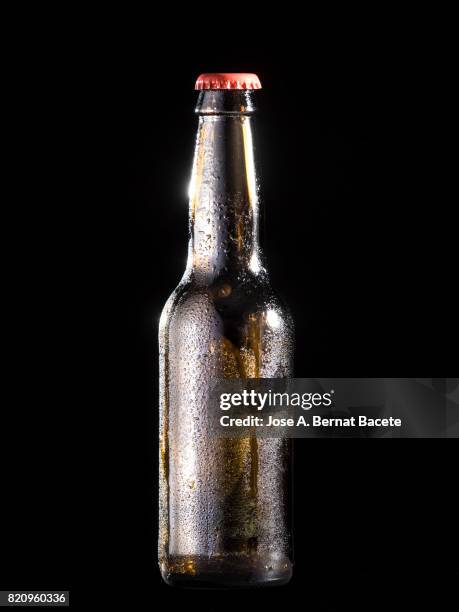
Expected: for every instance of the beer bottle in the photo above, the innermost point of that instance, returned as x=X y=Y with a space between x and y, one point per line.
x=224 y=507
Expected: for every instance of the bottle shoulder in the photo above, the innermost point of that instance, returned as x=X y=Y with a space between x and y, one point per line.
x=227 y=298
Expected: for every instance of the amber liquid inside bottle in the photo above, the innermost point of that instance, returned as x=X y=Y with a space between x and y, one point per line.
x=224 y=516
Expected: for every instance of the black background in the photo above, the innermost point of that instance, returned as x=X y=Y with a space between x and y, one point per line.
x=351 y=138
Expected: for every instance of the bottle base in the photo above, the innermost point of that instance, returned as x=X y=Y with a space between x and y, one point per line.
x=227 y=573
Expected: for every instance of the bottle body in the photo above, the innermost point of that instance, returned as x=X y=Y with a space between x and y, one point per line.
x=224 y=515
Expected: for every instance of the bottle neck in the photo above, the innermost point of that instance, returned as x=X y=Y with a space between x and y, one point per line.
x=224 y=215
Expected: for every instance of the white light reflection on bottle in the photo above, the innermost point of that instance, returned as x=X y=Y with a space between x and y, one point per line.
x=273 y=319
x=255 y=263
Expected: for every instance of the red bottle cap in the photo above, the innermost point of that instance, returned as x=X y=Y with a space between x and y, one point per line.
x=228 y=80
